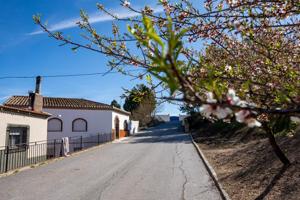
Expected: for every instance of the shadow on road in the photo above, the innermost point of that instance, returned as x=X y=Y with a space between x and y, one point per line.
x=165 y=133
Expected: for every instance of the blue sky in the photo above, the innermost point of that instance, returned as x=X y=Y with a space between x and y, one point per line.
x=26 y=52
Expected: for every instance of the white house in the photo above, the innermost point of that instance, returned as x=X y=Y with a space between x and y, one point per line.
x=73 y=116
x=19 y=126
x=78 y=117
x=23 y=135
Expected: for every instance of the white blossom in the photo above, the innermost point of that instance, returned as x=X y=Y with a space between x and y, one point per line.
x=270 y=84
x=210 y=98
x=206 y=110
x=126 y=3
x=202 y=70
x=219 y=112
x=207 y=4
x=251 y=122
x=231 y=93
x=222 y=113
x=232 y=98
x=235 y=100
x=258 y=70
x=295 y=119
x=243 y=104
x=133 y=30
x=243 y=116
x=228 y=68
x=236 y=24
x=232 y=2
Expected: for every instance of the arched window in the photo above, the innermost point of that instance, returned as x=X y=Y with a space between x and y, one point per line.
x=55 y=125
x=79 y=125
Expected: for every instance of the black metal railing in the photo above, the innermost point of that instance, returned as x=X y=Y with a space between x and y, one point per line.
x=13 y=157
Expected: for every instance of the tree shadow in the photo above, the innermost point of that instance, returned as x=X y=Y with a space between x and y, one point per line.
x=161 y=137
x=244 y=157
x=272 y=183
x=165 y=133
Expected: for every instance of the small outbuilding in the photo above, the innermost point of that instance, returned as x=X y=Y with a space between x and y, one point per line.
x=20 y=126
x=23 y=135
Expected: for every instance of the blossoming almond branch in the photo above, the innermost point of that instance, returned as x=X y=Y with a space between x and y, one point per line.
x=232 y=58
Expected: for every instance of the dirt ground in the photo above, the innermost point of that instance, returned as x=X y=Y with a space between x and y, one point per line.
x=246 y=165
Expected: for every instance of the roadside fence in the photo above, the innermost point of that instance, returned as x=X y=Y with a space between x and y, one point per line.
x=21 y=155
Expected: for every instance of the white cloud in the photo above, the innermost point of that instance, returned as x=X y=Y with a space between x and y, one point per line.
x=93 y=19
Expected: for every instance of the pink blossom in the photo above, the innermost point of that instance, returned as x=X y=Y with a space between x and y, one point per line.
x=235 y=100
x=219 y=112
x=243 y=116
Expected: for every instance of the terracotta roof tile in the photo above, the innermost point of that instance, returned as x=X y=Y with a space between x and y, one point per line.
x=62 y=103
x=24 y=111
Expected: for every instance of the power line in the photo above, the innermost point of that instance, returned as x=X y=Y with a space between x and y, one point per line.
x=62 y=75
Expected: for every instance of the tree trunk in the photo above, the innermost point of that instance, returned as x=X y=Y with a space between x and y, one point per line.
x=279 y=153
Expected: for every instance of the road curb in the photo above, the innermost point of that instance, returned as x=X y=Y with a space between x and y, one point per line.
x=211 y=171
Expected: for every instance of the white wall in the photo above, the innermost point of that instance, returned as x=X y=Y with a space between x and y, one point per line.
x=99 y=121
x=37 y=126
x=122 y=118
x=134 y=127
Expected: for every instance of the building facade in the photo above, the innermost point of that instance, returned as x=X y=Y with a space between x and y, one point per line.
x=23 y=135
x=73 y=117
x=18 y=126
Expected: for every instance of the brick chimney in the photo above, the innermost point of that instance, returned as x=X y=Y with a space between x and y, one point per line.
x=36 y=99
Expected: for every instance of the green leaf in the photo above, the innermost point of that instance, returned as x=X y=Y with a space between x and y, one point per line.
x=156 y=38
x=74 y=48
x=151 y=31
x=149 y=78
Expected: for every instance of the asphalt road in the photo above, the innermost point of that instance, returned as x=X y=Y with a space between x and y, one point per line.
x=160 y=164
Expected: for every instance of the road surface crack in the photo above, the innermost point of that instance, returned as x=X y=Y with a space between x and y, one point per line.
x=183 y=173
x=108 y=183
x=120 y=173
